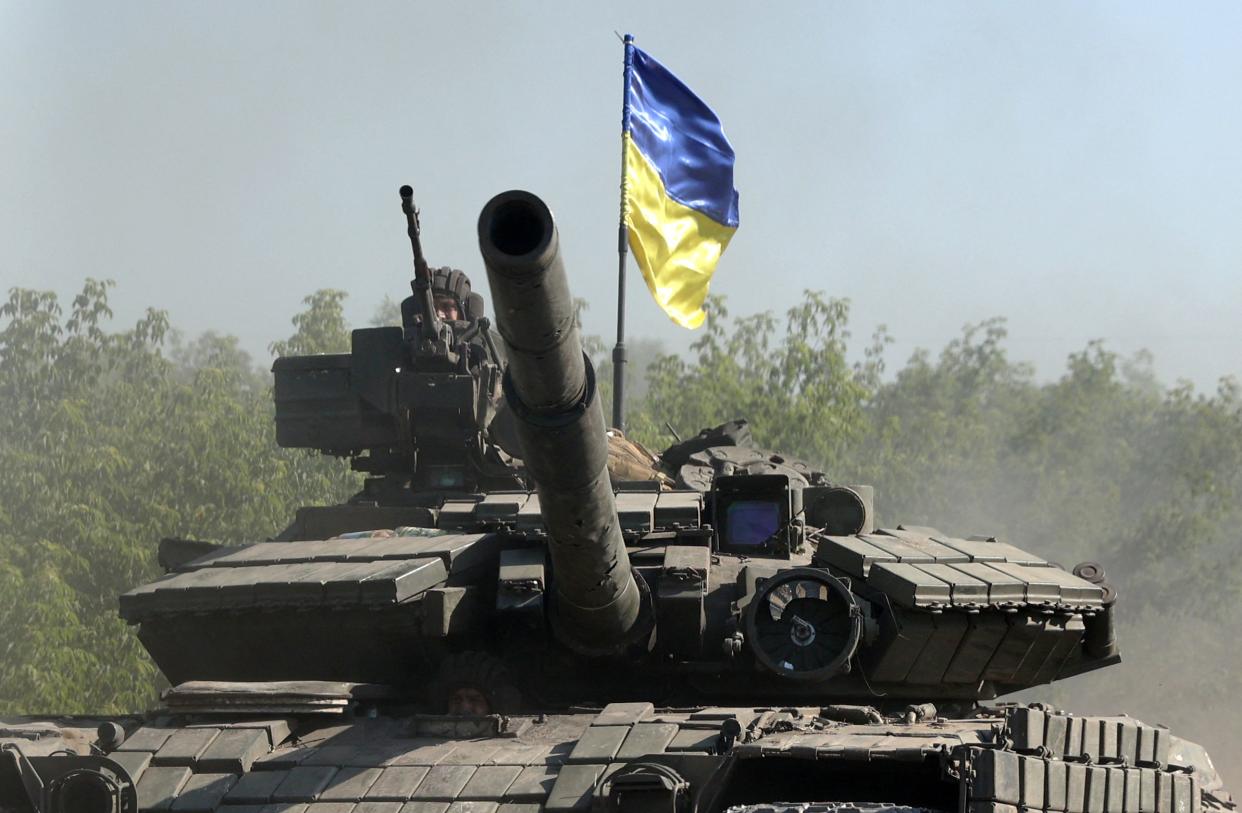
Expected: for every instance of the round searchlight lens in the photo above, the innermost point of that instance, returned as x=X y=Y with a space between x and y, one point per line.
x=84 y=791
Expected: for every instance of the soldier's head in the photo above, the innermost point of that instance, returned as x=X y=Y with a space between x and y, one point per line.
x=468 y=701
x=474 y=684
x=450 y=289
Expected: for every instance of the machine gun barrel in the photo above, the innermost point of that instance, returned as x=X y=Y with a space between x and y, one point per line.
x=599 y=606
x=421 y=284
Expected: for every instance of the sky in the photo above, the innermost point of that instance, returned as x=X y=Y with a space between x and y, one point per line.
x=1072 y=166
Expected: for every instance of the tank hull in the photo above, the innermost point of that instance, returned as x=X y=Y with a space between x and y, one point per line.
x=709 y=758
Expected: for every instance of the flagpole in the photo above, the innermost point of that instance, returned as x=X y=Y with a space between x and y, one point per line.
x=618 y=352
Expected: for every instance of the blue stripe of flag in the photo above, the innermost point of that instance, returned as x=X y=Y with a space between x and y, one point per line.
x=682 y=137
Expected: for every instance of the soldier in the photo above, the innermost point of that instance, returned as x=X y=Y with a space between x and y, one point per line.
x=458 y=307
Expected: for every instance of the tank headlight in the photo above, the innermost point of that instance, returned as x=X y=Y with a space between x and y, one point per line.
x=837 y=510
x=804 y=624
x=84 y=791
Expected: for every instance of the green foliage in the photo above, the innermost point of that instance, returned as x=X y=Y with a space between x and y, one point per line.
x=792 y=381
x=107 y=445
x=640 y=353
x=387 y=313
x=320 y=328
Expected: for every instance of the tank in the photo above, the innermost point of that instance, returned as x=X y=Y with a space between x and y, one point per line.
x=500 y=622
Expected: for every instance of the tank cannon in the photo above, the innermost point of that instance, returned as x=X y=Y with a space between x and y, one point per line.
x=550 y=387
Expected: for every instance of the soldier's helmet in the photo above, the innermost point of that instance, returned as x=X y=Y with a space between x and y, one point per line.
x=454 y=283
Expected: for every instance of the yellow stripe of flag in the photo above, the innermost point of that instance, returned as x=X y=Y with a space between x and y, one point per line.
x=676 y=247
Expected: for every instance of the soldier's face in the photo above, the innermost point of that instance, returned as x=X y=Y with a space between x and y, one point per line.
x=467 y=701
x=446 y=308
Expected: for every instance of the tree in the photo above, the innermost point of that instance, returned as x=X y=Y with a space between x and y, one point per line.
x=793 y=382
x=107 y=445
x=387 y=313
x=320 y=328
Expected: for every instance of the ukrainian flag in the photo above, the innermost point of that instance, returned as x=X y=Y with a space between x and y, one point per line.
x=680 y=204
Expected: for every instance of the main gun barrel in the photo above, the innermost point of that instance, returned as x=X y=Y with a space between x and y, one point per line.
x=550 y=386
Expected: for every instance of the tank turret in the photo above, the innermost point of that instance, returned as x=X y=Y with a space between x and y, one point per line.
x=550 y=387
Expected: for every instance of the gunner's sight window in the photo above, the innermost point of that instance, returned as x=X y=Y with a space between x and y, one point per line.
x=752 y=522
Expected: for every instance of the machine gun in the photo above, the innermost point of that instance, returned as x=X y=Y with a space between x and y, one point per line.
x=412 y=405
x=432 y=338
